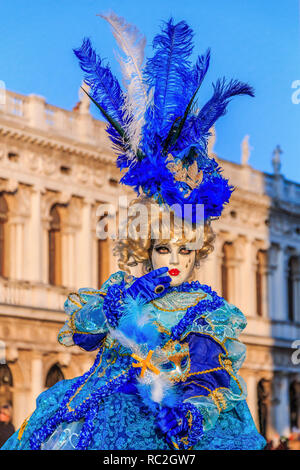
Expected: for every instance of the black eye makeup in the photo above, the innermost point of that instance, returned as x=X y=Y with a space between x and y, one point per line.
x=184 y=251
x=132 y=264
x=162 y=249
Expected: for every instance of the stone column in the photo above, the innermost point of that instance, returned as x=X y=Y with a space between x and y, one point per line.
x=16 y=247
x=45 y=249
x=281 y=285
x=239 y=289
x=213 y=266
x=85 y=246
x=71 y=223
x=248 y=298
x=264 y=273
x=271 y=281
x=16 y=229
x=282 y=408
x=296 y=290
x=37 y=385
x=231 y=266
x=34 y=251
x=68 y=254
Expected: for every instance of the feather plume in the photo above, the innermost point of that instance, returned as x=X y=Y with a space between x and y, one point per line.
x=168 y=72
x=104 y=88
x=172 y=124
x=160 y=391
x=197 y=75
x=132 y=43
x=136 y=323
x=217 y=105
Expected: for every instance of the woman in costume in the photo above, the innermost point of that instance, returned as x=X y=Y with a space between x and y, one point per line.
x=166 y=371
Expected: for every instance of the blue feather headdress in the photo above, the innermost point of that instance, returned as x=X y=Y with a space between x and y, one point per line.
x=159 y=135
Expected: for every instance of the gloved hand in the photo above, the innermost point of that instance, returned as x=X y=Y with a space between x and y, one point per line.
x=145 y=285
x=182 y=426
x=173 y=423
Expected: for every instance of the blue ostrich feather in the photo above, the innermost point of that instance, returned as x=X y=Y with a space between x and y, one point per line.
x=195 y=78
x=216 y=106
x=168 y=72
x=200 y=68
x=105 y=88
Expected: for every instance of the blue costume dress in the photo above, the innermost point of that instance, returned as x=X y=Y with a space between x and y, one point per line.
x=110 y=408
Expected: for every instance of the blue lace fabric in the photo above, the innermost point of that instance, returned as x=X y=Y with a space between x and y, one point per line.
x=125 y=420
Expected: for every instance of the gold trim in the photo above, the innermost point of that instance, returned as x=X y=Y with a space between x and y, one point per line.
x=200 y=297
x=82 y=385
x=175 y=445
x=218 y=399
x=96 y=369
x=71 y=321
x=205 y=396
x=206 y=371
x=23 y=427
x=161 y=328
x=88 y=292
x=170 y=350
x=73 y=301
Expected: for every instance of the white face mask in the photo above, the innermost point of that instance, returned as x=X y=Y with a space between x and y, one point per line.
x=176 y=257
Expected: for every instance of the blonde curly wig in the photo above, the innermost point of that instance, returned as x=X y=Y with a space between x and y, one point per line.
x=138 y=249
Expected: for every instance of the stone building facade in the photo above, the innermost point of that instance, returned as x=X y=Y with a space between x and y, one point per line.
x=56 y=167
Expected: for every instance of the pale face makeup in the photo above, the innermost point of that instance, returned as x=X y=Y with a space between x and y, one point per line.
x=177 y=257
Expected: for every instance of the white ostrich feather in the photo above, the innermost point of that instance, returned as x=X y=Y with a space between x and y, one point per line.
x=132 y=43
x=158 y=384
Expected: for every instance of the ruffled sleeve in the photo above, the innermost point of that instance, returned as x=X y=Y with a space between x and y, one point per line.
x=216 y=355
x=86 y=325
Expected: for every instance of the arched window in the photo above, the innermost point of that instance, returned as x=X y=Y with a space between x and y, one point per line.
x=54 y=247
x=54 y=375
x=292 y=279
x=6 y=384
x=3 y=220
x=263 y=401
x=227 y=256
x=295 y=405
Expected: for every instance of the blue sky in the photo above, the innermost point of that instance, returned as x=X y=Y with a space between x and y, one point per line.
x=257 y=41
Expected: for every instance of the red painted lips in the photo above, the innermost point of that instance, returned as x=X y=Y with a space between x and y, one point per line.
x=174 y=272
